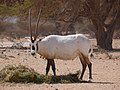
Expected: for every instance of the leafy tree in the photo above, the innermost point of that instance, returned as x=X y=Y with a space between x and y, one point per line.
x=13 y=7
x=11 y=2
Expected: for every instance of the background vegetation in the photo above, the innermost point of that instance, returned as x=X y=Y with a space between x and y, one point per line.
x=102 y=17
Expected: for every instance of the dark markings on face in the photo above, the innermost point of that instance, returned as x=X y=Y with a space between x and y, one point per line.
x=32 y=41
x=33 y=46
x=37 y=46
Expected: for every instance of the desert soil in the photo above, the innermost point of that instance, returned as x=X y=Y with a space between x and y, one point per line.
x=106 y=70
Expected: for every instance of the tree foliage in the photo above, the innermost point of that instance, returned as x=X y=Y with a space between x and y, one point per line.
x=11 y=2
x=14 y=7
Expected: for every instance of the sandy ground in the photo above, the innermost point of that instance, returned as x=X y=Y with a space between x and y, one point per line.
x=106 y=70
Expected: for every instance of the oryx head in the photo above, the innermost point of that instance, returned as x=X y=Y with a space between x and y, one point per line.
x=33 y=40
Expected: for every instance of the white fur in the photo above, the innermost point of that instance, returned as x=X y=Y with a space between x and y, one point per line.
x=64 y=47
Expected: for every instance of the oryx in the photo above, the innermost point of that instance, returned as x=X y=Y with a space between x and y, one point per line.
x=65 y=47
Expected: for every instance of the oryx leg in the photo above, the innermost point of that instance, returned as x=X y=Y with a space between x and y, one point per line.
x=90 y=71
x=50 y=62
x=83 y=69
x=53 y=67
x=48 y=66
x=89 y=67
x=84 y=64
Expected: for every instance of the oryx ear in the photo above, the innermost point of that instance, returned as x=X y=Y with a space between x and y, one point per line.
x=40 y=39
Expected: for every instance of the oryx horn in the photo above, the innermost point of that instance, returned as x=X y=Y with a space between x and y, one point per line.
x=30 y=30
x=37 y=24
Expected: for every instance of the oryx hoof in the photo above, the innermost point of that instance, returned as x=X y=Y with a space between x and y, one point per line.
x=81 y=80
x=90 y=80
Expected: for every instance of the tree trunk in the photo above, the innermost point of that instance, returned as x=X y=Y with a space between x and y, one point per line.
x=109 y=39
x=104 y=39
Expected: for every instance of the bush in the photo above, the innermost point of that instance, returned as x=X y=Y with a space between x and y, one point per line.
x=22 y=74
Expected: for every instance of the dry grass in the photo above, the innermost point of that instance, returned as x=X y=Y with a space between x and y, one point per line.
x=22 y=74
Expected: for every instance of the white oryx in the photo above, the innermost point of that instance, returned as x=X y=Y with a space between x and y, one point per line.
x=62 y=47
